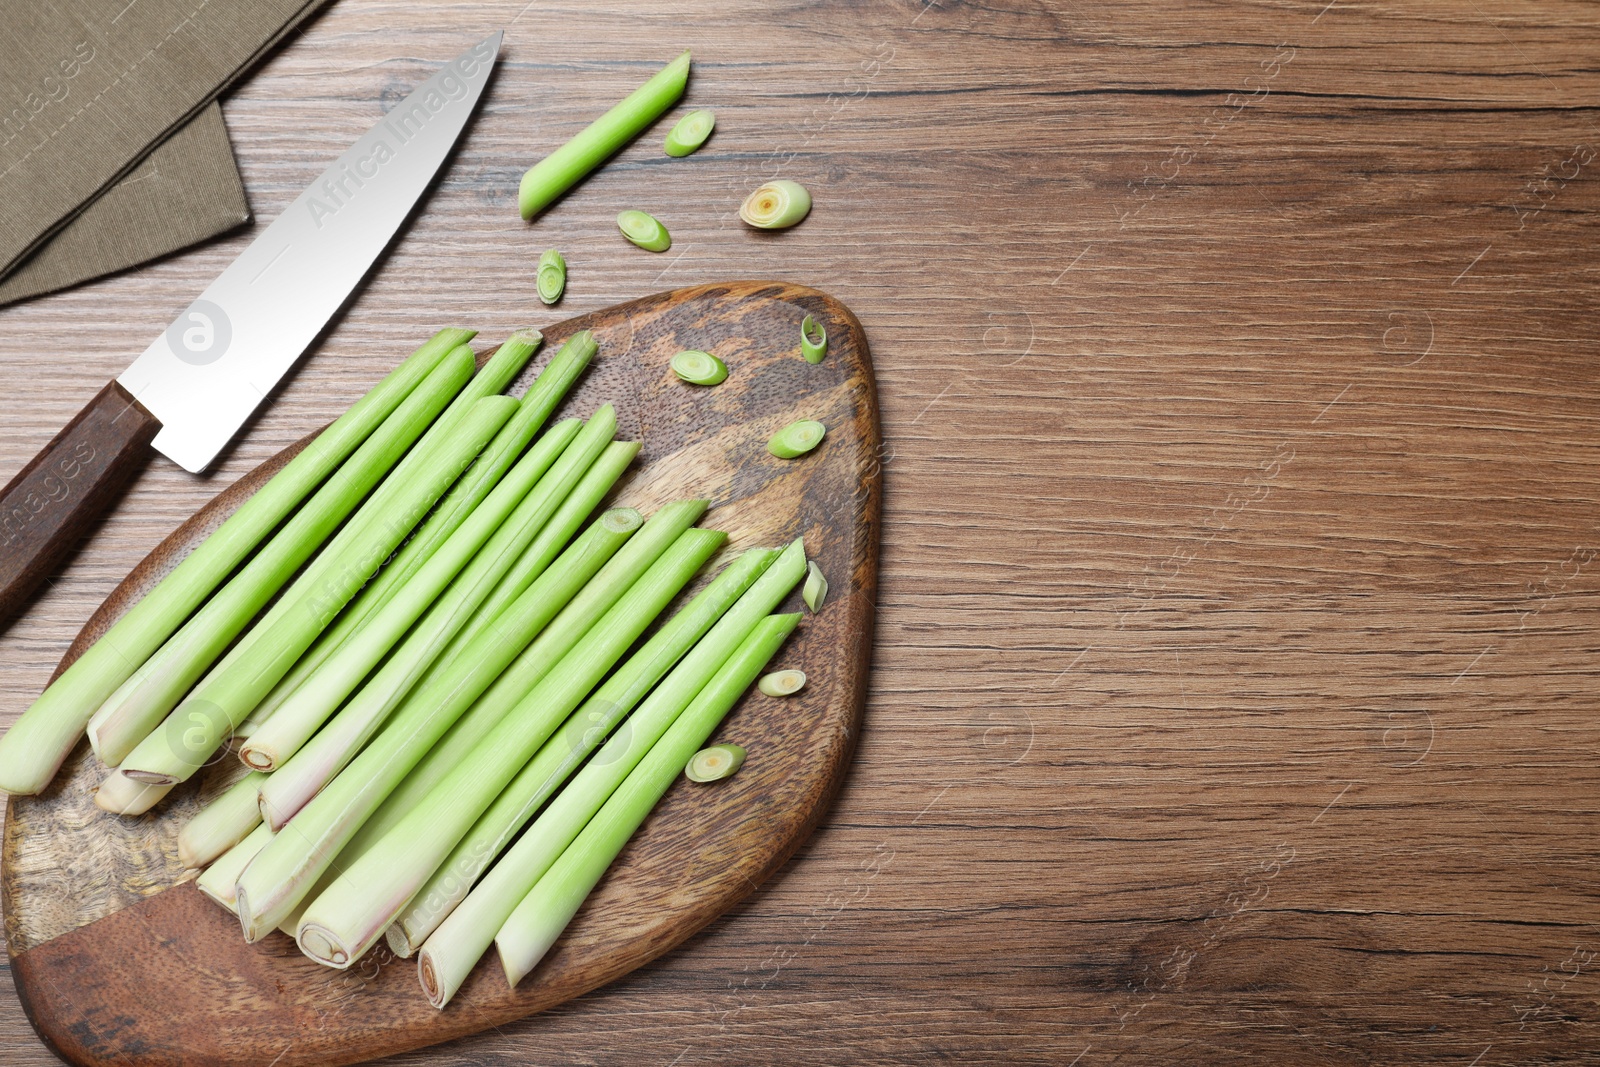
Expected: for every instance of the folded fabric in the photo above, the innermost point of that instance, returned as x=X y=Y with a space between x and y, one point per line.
x=90 y=88
x=185 y=191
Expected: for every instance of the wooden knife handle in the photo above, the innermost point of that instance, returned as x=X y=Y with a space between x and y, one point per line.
x=53 y=501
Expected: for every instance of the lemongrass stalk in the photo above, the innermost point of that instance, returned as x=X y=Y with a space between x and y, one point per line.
x=715 y=763
x=219 y=880
x=546 y=911
x=569 y=164
x=273 y=886
x=321 y=694
x=121 y=795
x=208 y=716
x=541 y=399
x=796 y=439
x=428 y=647
x=351 y=916
x=551 y=279
x=560 y=756
x=777 y=205
x=690 y=133
x=223 y=823
x=185 y=656
x=37 y=743
x=535 y=662
x=782 y=683
x=699 y=368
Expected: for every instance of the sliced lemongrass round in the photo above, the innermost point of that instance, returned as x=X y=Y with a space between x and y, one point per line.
x=699 y=368
x=644 y=230
x=776 y=205
x=715 y=763
x=782 y=683
x=796 y=439
x=813 y=340
x=552 y=278
x=690 y=133
x=815 y=591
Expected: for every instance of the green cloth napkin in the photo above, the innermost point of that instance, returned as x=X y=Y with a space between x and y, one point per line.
x=185 y=191
x=94 y=94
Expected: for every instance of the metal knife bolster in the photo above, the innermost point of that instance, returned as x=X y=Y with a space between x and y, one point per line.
x=207 y=373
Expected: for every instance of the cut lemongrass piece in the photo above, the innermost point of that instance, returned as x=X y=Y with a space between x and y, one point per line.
x=121 y=795
x=699 y=368
x=221 y=879
x=796 y=439
x=782 y=683
x=644 y=230
x=813 y=340
x=776 y=205
x=715 y=763
x=552 y=278
x=815 y=591
x=223 y=823
x=690 y=133
x=567 y=165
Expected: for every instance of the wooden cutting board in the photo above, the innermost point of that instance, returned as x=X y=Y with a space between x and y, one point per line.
x=118 y=960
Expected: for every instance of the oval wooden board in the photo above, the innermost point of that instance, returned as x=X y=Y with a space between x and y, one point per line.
x=119 y=962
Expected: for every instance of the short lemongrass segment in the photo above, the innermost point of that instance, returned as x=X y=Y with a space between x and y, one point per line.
x=777 y=205
x=121 y=795
x=265 y=654
x=37 y=743
x=434 y=644
x=219 y=880
x=418 y=676
x=796 y=439
x=351 y=916
x=815 y=591
x=545 y=912
x=187 y=654
x=813 y=340
x=715 y=763
x=690 y=133
x=569 y=164
x=540 y=401
x=644 y=230
x=223 y=823
x=551 y=280
x=782 y=683
x=535 y=661
x=699 y=368
x=279 y=879
x=322 y=694
x=467 y=929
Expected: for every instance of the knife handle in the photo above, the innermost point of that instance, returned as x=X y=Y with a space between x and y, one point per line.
x=53 y=501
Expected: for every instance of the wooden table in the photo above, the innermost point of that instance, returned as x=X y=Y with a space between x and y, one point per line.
x=1234 y=697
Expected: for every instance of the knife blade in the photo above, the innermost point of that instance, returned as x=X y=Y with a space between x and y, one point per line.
x=202 y=378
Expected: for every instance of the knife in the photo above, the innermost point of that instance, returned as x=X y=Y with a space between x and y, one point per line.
x=203 y=377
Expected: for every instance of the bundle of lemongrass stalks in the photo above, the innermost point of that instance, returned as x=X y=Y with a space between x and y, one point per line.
x=426 y=644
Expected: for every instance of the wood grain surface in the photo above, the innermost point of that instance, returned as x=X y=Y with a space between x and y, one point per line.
x=1233 y=699
x=99 y=924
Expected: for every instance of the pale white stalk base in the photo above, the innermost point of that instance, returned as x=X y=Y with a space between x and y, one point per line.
x=121 y=795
